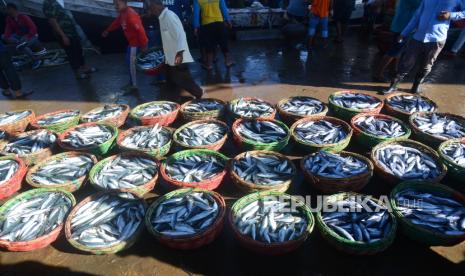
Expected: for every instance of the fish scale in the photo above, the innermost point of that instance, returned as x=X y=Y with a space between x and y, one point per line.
x=201 y=134
x=303 y=106
x=195 y=168
x=10 y=117
x=410 y=104
x=251 y=108
x=333 y=165
x=155 y=109
x=441 y=126
x=152 y=137
x=63 y=170
x=87 y=136
x=320 y=132
x=456 y=152
x=203 y=105
x=356 y=101
x=102 y=113
x=8 y=168
x=58 y=118
x=30 y=143
x=261 y=131
x=151 y=59
x=380 y=127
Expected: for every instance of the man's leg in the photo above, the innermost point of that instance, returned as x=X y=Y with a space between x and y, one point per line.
x=324 y=31
x=459 y=42
x=222 y=37
x=430 y=55
x=182 y=78
x=4 y=84
x=9 y=77
x=75 y=57
x=312 y=25
x=131 y=62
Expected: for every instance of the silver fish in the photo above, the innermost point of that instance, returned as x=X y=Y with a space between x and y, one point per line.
x=2 y=135
x=155 y=109
x=303 y=106
x=63 y=170
x=334 y=165
x=456 y=152
x=31 y=142
x=320 y=132
x=8 y=168
x=262 y=131
x=195 y=168
x=251 y=108
x=411 y=104
x=203 y=105
x=380 y=127
x=87 y=136
x=356 y=101
x=151 y=59
x=58 y=118
x=10 y=117
x=201 y=133
x=150 y=137
x=102 y=113
x=440 y=125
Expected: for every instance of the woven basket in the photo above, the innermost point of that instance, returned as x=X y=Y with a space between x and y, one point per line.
x=207 y=115
x=416 y=232
x=215 y=146
x=247 y=144
x=333 y=185
x=18 y=126
x=311 y=147
x=249 y=187
x=291 y=118
x=354 y=247
x=163 y=120
x=157 y=153
x=346 y=114
x=57 y=127
x=456 y=172
x=140 y=190
x=209 y=184
x=367 y=140
x=14 y=183
x=102 y=250
x=116 y=121
x=70 y=186
x=400 y=114
x=42 y=241
x=279 y=248
x=394 y=180
x=198 y=240
x=233 y=116
x=98 y=150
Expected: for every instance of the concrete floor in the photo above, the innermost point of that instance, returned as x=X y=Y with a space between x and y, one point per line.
x=269 y=71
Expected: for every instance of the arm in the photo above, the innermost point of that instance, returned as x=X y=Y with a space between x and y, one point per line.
x=134 y=20
x=177 y=32
x=30 y=26
x=413 y=22
x=114 y=25
x=196 y=19
x=53 y=22
x=454 y=16
x=224 y=11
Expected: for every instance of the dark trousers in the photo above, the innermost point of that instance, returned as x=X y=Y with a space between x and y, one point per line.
x=74 y=53
x=212 y=35
x=179 y=78
x=418 y=52
x=8 y=76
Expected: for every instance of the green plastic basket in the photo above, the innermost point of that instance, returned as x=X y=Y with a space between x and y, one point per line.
x=157 y=153
x=57 y=127
x=98 y=150
x=456 y=172
x=346 y=114
x=248 y=144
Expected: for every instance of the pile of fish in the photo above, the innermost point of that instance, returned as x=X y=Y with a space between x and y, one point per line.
x=456 y=152
x=320 y=132
x=34 y=217
x=407 y=162
x=262 y=131
x=356 y=101
x=151 y=59
x=153 y=137
x=303 y=106
x=380 y=127
x=27 y=144
x=185 y=215
x=251 y=108
x=203 y=105
x=333 y=165
x=88 y=136
x=2 y=135
x=269 y=220
x=437 y=213
x=354 y=222
x=201 y=133
x=263 y=169
x=63 y=170
x=126 y=172
x=439 y=125
x=107 y=221
x=8 y=168
x=10 y=117
x=155 y=109
x=105 y=112
x=410 y=104
x=58 y=118
x=195 y=168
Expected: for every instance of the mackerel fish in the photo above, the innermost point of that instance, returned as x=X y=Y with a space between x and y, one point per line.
x=63 y=170
x=58 y=118
x=456 y=152
x=10 y=117
x=441 y=126
x=150 y=137
x=195 y=168
x=356 y=101
x=8 y=169
x=34 y=217
x=303 y=106
x=251 y=108
x=102 y=113
x=334 y=165
x=262 y=131
x=411 y=104
x=320 y=132
x=29 y=143
x=185 y=215
x=203 y=105
x=380 y=127
x=107 y=220
x=151 y=59
x=88 y=136
x=155 y=109
x=201 y=133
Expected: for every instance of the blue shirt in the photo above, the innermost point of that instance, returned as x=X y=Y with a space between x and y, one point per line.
x=425 y=22
x=196 y=10
x=297 y=8
x=404 y=12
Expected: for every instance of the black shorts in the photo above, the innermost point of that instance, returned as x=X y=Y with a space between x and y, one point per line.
x=213 y=35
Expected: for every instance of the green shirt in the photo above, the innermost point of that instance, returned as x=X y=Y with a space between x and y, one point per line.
x=52 y=9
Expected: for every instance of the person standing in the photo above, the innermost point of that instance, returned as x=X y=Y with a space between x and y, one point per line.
x=319 y=14
x=177 y=54
x=297 y=10
x=458 y=44
x=430 y=22
x=342 y=11
x=10 y=82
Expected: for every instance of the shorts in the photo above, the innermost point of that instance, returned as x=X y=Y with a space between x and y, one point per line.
x=396 y=49
x=313 y=24
x=213 y=35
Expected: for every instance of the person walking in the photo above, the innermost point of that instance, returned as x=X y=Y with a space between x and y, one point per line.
x=10 y=82
x=342 y=11
x=319 y=14
x=430 y=22
x=458 y=44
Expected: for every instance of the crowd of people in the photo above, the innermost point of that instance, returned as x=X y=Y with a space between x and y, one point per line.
x=419 y=29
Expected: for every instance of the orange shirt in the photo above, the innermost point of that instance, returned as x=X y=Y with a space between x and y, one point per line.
x=320 y=8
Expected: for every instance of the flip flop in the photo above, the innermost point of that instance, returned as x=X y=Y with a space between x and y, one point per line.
x=7 y=94
x=91 y=70
x=24 y=95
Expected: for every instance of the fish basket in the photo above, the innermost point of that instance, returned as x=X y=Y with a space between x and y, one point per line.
x=312 y=147
x=206 y=115
x=163 y=120
x=248 y=144
x=215 y=146
x=330 y=185
x=345 y=113
x=233 y=116
x=32 y=158
x=117 y=121
x=209 y=184
x=368 y=140
x=355 y=247
x=400 y=114
x=150 y=71
x=422 y=234
x=98 y=150
x=42 y=241
x=14 y=183
x=277 y=248
x=394 y=180
x=157 y=153
x=102 y=250
x=455 y=171
x=198 y=240
x=290 y=118
x=57 y=127
x=429 y=139
x=18 y=126
x=69 y=186
x=249 y=187
x=140 y=190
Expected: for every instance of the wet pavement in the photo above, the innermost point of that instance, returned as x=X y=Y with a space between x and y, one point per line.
x=270 y=71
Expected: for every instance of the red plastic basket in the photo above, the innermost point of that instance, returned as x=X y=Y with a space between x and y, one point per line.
x=14 y=184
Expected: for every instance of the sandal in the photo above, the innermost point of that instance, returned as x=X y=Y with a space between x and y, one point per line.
x=7 y=93
x=82 y=76
x=90 y=70
x=24 y=94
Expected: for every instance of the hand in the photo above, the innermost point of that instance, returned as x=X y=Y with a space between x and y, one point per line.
x=178 y=59
x=400 y=39
x=66 y=40
x=105 y=34
x=228 y=24
x=444 y=15
x=196 y=31
x=143 y=49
